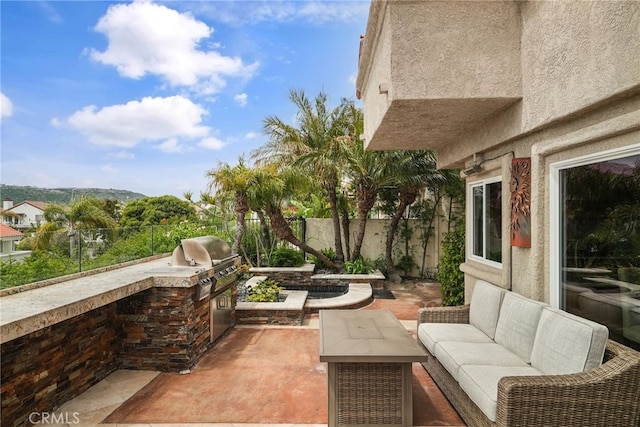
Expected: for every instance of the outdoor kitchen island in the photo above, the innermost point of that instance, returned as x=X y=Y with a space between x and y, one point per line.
x=369 y=355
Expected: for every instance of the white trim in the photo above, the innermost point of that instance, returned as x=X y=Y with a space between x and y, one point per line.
x=555 y=207
x=469 y=227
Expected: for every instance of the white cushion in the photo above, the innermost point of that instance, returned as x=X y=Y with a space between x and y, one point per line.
x=452 y=355
x=481 y=383
x=566 y=343
x=431 y=333
x=518 y=323
x=484 y=308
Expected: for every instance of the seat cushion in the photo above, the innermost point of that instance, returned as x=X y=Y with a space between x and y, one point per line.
x=567 y=344
x=484 y=308
x=452 y=355
x=480 y=382
x=431 y=333
x=518 y=324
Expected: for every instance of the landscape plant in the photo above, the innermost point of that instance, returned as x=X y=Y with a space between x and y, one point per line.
x=449 y=275
x=359 y=265
x=265 y=291
x=286 y=257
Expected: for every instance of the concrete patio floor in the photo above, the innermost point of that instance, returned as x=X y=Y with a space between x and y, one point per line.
x=256 y=375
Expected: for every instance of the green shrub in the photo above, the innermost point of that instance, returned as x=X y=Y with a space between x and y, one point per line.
x=359 y=265
x=329 y=253
x=266 y=291
x=286 y=257
x=449 y=275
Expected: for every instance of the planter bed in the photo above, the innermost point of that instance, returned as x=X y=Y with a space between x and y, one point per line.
x=287 y=312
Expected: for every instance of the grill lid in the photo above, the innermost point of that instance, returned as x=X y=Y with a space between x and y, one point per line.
x=205 y=251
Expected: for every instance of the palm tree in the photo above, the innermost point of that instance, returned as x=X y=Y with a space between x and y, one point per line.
x=269 y=193
x=368 y=171
x=413 y=172
x=315 y=145
x=234 y=180
x=84 y=212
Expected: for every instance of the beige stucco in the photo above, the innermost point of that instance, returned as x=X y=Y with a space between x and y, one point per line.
x=578 y=93
x=415 y=85
x=319 y=234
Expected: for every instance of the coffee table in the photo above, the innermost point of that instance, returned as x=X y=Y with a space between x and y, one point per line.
x=369 y=355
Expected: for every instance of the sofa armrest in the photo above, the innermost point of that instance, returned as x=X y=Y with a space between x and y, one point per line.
x=608 y=395
x=456 y=314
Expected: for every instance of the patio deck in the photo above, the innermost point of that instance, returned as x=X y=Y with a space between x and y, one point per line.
x=257 y=375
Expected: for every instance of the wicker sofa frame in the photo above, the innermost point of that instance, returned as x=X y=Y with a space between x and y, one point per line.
x=605 y=396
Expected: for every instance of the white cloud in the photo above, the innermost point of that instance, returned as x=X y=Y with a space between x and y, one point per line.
x=309 y=11
x=146 y=38
x=6 y=106
x=50 y=12
x=150 y=119
x=252 y=135
x=55 y=122
x=124 y=155
x=172 y=145
x=211 y=143
x=241 y=99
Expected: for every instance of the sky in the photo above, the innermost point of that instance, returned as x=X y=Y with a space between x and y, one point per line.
x=148 y=96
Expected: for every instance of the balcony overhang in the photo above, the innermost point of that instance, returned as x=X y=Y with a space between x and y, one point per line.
x=431 y=124
x=432 y=71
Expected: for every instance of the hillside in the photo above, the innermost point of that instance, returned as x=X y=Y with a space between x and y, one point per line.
x=62 y=195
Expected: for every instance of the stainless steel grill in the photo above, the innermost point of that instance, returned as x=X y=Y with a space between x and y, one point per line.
x=212 y=253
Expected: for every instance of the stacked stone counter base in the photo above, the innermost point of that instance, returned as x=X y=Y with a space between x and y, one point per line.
x=59 y=340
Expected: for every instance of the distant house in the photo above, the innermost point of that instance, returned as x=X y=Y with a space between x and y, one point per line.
x=26 y=214
x=8 y=239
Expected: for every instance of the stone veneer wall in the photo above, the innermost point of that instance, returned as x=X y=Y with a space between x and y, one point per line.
x=163 y=329
x=270 y=317
x=43 y=369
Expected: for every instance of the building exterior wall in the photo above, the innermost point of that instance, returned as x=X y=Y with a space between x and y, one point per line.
x=579 y=70
x=30 y=216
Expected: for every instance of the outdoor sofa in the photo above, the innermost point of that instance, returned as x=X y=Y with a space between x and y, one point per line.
x=505 y=360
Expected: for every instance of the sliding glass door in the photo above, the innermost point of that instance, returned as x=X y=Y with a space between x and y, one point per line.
x=599 y=241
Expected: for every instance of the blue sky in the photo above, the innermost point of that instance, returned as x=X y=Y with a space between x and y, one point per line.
x=149 y=96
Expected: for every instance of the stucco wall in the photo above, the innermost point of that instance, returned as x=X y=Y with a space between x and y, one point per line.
x=575 y=54
x=380 y=73
x=475 y=55
x=319 y=235
x=611 y=126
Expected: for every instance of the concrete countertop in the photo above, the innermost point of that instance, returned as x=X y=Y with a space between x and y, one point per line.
x=25 y=312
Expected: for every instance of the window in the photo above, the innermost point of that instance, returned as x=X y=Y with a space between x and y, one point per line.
x=598 y=241
x=486 y=221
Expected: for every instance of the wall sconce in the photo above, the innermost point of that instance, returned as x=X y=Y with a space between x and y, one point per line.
x=383 y=88
x=475 y=168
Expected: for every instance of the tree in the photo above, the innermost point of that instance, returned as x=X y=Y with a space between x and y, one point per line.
x=413 y=171
x=234 y=180
x=156 y=210
x=84 y=212
x=368 y=171
x=316 y=145
x=271 y=189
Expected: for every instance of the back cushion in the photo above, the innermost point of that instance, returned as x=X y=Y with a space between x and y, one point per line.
x=518 y=324
x=566 y=344
x=485 y=307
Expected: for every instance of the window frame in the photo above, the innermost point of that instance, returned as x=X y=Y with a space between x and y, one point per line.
x=484 y=183
x=555 y=210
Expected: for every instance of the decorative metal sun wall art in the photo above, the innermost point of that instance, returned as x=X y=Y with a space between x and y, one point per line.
x=521 y=202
